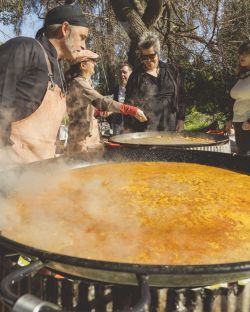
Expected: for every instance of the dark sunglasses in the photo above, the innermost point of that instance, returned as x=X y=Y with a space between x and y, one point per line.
x=148 y=56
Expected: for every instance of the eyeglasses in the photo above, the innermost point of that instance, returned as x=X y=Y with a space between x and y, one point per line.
x=145 y=57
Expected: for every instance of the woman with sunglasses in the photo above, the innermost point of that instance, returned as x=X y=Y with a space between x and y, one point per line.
x=81 y=99
x=156 y=88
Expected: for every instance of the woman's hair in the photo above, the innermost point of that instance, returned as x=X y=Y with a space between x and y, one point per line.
x=244 y=48
x=149 y=40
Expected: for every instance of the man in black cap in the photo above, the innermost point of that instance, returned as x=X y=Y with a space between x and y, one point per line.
x=32 y=87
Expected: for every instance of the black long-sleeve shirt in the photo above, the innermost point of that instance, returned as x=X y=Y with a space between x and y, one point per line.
x=158 y=96
x=24 y=78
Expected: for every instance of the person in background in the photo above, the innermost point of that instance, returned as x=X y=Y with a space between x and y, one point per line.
x=32 y=86
x=116 y=119
x=239 y=109
x=156 y=88
x=81 y=100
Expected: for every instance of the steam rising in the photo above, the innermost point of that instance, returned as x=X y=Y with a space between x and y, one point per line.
x=37 y=204
x=161 y=213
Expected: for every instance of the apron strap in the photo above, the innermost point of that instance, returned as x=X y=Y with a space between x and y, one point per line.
x=50 y=74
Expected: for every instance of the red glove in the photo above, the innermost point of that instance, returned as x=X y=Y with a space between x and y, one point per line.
x=127 y=109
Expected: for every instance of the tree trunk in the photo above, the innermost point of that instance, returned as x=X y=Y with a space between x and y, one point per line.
x=129 y=18
x=152 y=12
x=129 y=14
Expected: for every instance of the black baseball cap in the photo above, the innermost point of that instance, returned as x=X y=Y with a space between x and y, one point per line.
x=65 y=13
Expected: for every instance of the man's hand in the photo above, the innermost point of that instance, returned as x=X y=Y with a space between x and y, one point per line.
x=180 y=125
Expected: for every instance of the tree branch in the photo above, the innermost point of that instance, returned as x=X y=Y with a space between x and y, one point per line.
x=129 y=18
x=177 y=14
x=215 y=21
x=152 y=12
x=139 y=6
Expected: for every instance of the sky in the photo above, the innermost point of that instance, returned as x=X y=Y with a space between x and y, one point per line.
x=29 y=28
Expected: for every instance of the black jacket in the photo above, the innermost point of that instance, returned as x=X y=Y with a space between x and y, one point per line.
x=159 y=97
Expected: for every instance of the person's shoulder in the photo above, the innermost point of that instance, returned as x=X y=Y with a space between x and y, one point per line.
x=137 y=72
x=168 y=66
x=133 y=80
x=20 y=44
x=74 y=84
x=20 y=41
x=25 y=39
x=74 y=88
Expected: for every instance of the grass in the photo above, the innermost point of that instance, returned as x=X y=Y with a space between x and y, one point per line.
x=196 y=120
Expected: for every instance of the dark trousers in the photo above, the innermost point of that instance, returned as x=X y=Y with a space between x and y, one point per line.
x=242 y=138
